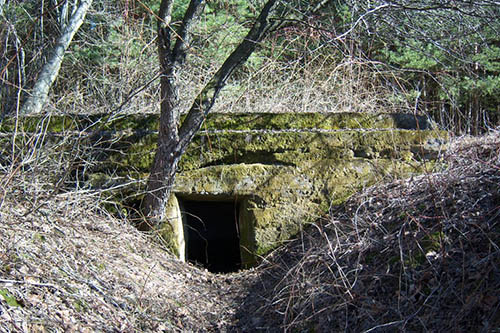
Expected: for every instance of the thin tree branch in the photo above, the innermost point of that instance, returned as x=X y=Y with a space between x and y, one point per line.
x=183 y=36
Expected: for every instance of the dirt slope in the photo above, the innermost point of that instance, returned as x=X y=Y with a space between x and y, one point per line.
x=412 y=256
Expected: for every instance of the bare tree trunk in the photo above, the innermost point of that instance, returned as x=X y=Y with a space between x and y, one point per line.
x=50 y=70
x=173 y=140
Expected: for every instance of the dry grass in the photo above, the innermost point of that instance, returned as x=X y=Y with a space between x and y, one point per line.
x=315 y=86
x=125 y=78
x=67 y=265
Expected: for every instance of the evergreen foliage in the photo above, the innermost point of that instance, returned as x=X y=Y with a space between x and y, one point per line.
x=446 y=53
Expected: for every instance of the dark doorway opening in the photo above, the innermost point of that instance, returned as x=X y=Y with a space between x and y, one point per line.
x=212 y=235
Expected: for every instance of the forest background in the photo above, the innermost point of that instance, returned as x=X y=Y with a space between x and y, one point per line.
x=438 y=58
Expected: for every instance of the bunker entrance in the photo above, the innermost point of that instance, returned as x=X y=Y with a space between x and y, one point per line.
x=212 y=234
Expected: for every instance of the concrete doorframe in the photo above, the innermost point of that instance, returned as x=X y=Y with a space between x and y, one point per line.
x=177 y=220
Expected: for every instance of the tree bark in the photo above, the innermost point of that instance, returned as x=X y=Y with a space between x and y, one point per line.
x=173 y=140
x=50 y=70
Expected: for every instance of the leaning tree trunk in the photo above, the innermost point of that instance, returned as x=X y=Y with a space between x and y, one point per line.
x=50 y=70
x=173 y=140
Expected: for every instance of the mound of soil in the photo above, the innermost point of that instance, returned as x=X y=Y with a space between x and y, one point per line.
x=415 y=255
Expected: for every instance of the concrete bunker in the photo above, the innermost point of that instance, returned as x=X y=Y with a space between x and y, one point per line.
x=213 y=232
x=282 y=171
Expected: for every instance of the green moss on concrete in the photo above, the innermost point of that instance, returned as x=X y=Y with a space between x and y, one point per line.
x=297 y=176
x=283 y=179
x=270 y=121
x=139 y=155
x=71 y=122
x=147 y=123
x=129 y=142
x=171 y=231
x=229 y=180
x=248 y=244
x=39 y=124
x=289 y=196
x=218 y=121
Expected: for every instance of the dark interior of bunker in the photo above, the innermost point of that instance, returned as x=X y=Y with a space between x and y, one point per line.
x=212 y=235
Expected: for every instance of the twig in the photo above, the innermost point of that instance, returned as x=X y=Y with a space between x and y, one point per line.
x=49 y=285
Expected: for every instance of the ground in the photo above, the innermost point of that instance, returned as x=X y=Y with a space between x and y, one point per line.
x=420 y=254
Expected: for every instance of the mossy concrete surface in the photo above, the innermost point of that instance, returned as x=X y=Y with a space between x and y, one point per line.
x=284 y=170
